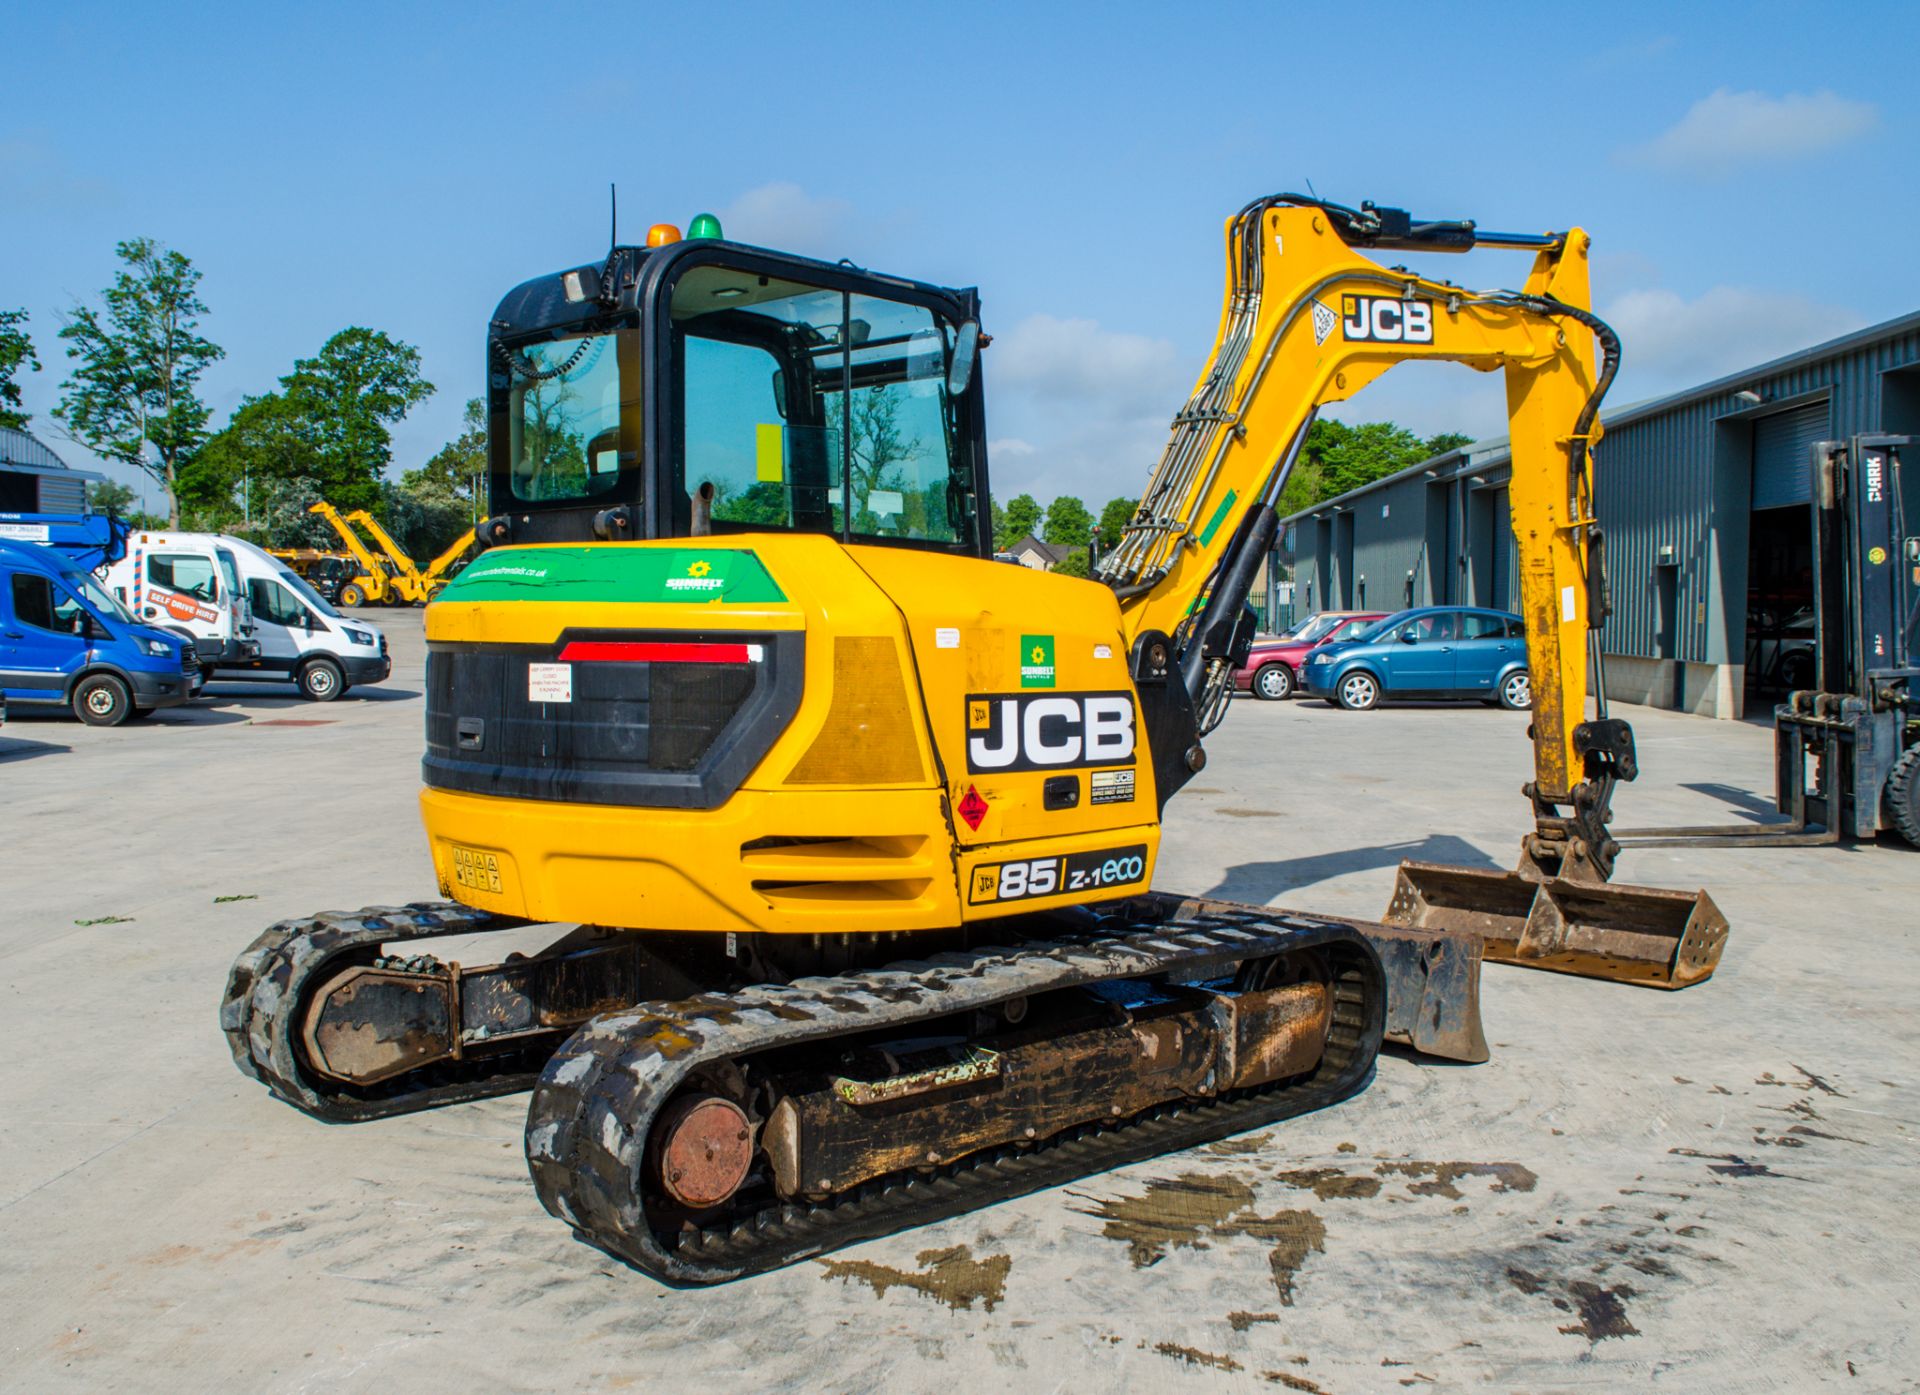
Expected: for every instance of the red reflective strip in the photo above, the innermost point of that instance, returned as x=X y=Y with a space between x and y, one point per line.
x=625 y=652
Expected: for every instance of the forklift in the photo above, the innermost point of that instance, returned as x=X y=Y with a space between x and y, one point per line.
x=1846 y=752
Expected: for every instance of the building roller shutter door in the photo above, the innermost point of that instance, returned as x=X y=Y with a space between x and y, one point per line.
x=59 y=495
x=1782 y=455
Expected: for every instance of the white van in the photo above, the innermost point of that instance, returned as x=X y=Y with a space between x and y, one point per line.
x=248 y=612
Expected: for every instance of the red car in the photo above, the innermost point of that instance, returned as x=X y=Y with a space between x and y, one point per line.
x=1273 y=665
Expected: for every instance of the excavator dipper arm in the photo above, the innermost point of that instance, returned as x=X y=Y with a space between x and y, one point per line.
x=1307 y=320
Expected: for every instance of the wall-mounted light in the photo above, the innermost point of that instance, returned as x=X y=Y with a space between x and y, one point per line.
x=1666 y=554
x=1749 y=396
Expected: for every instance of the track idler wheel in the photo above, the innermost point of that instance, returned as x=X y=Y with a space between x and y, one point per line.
x=704 y=1150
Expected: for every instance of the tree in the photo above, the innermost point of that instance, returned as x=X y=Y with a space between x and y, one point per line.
x=360 y=383
x=1338 y=458
x=1444 y=442
x=15 y=349
x=1068 y=522
x=1020 y=517
x=267 y=438
x=111 y=496
x=459 y=468
x=139 y=362
x=1075 y=563
x=1114 y=519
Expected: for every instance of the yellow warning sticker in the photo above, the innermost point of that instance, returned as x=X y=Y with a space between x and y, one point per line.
x=769 y=452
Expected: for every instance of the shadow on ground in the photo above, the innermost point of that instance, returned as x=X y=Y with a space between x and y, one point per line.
x=10 y=749
x=1259 y=882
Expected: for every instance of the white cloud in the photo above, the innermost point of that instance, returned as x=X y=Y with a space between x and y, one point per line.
x=1728 y=129
x=1671 y=343
x=1084 y=409
x=786 y=216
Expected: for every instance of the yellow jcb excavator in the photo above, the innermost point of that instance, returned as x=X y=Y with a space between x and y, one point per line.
x=848 y=828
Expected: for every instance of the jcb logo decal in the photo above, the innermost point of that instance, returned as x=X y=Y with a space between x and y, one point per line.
x=1007 y=732
x=1386 y=320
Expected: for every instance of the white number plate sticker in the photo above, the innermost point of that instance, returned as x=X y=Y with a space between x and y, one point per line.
x=1050 y=876
x=549 y=682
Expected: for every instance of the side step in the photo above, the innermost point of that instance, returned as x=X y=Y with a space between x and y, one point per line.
x=1630 y=934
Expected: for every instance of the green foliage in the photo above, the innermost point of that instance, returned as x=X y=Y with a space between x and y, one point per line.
x=1020 y=517
x=1114 y=519
x=459 y=467
x=1338 y=458
x=267 y=438
x=360 y=383
x=1073 y=564
x=110 y=496
x=280 y=517
x=424 y=519
x=15 y=349
x=1068 y=522
x=139 y=361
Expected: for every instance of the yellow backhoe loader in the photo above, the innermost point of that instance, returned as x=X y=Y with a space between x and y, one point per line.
x=848 y=830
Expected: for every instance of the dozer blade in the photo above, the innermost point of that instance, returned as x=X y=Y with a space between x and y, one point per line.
x=1630 y=934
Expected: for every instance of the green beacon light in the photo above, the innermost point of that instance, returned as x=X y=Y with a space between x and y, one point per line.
x=704 y=225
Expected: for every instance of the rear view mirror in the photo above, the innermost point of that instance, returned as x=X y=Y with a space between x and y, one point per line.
x=966 y=349
x=780 y=392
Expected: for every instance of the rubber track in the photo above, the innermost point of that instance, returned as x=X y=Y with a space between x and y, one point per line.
x=268 y=987
x=591 y=1111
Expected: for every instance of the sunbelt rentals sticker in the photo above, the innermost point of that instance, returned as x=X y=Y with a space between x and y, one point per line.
x=1036 y=661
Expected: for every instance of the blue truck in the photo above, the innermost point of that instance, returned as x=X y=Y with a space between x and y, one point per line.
x=65 y=641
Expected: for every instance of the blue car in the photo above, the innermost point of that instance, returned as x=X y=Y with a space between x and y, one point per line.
x=1432 y=652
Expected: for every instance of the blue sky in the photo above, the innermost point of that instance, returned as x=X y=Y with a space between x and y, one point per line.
x=1744 y=171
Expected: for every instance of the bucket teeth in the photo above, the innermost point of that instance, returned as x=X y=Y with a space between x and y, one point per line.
x=1629 y=934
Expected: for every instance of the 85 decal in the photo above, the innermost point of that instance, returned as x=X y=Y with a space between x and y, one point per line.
x=1049 y=876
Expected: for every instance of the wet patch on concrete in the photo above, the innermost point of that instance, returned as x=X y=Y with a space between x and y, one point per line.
x=1602 y=1311
x=951 y=1276
x=1426 y=1179
x=1235 y=1147
x=1733 y=1165
x=1185 y=1211
x=1193 y=1356
x=1332 y=1183
x=1440 y=1177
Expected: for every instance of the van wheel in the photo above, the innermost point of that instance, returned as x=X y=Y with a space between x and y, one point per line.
x=102 y=701
x=321 y=680
x=1516 y=691
x=352 y=595
x=1273 y=682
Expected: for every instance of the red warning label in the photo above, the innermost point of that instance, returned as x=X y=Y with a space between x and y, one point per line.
x=973 y=808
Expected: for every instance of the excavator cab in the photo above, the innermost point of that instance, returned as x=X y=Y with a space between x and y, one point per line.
x=704 y=387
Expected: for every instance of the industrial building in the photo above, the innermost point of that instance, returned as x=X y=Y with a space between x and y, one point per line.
x=35 y=480
x=1704 y=497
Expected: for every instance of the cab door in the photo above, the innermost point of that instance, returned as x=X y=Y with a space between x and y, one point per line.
x=42 y=638
x=279 y=624
x=1419 y=655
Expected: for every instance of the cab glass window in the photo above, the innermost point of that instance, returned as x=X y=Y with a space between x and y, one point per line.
x=811 y=409
x=41 y=604
x=182 y=571
x=272 y=602
x=573 y=415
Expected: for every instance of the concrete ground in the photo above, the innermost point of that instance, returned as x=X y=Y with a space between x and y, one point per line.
x=1709 y=1190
